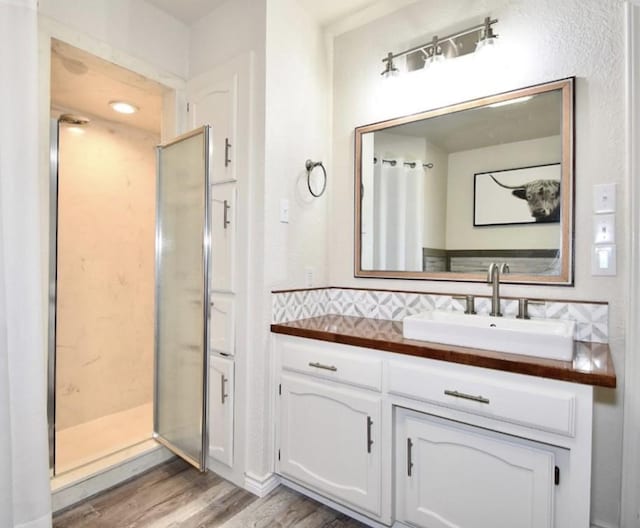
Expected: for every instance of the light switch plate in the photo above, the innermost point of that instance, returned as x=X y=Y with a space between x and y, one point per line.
x=603 y=259
x=604 y=229
x=604 y=198
x=284 y=211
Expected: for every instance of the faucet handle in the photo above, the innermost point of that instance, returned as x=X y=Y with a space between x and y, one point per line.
x=470 y=307
x=523 y=307
x=504 y=268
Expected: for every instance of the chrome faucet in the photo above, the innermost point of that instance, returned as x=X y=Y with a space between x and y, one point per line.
x=493 y=278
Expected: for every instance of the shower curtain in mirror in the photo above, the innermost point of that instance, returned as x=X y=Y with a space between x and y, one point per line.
x=398 y=216
x=24 y=468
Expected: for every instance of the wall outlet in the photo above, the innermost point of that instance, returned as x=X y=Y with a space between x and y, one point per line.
x=308 y=276
x=604 y=198
x=603 y=259
x=604 y=229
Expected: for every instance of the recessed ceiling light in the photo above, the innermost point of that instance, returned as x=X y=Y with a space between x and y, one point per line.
x=123 y=107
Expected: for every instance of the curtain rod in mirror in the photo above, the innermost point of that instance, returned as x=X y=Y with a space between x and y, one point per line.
x=411 y=164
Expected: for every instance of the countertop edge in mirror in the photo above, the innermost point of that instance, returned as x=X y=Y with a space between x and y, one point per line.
x=592 y=363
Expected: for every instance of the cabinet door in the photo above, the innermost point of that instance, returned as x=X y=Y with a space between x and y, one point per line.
x=329 y=440
x=222 y=326
x=223 y=229
x=221 y=410
x=216 y=104
x=459 y=476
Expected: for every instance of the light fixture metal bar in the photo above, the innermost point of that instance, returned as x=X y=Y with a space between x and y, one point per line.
x=429 y=45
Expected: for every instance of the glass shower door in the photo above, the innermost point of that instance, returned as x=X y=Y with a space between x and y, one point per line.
x=182 y=264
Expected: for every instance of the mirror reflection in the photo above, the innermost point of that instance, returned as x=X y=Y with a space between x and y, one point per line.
x=450 y=191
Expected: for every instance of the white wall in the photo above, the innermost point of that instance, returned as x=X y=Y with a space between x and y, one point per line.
x=133 y=26
x=461 y=233
x=24 y=477
x=540 y=40
x=233 y=28
x=297 y=129
x=297 y=124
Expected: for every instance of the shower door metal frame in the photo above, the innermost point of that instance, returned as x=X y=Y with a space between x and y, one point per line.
x=206 y=251
x=54 y=132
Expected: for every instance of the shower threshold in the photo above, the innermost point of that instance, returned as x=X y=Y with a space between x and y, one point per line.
x=78 y=484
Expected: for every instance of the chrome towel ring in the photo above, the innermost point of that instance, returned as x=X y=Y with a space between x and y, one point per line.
x=310 y=165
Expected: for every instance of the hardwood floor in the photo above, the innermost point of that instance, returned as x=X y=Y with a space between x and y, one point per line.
x=175 y=495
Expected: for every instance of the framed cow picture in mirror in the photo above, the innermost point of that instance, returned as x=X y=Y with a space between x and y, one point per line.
x=526 y=195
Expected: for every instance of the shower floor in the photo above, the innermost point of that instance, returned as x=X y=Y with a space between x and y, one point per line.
x=84 y=443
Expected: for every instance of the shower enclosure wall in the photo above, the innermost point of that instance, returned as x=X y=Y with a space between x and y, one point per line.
x=103 y=285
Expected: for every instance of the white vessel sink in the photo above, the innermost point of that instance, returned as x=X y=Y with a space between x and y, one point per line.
x=543 y=338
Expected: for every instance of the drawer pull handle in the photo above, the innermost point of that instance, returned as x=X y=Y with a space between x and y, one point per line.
x=456 y=394
x=369 y=440
x=325 y=367
x=409 y=461
x=223 y=395
x=225 y=215
x=227 y=146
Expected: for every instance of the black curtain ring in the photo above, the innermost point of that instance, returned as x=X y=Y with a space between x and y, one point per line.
x=310 y=165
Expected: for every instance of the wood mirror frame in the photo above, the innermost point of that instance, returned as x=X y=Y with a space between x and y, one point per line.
x=565 y=275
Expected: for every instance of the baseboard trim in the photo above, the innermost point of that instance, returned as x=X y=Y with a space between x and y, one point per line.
x=261 y=486
x=600 y=524
x=42 y=522
x=333 y=505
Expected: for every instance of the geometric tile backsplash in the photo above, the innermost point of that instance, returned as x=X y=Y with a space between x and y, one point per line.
x=592 y=319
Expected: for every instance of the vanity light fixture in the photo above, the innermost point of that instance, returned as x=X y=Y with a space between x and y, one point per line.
x=469 y=40
x=123 y=107
x=390 y=70
x=436 y=56
x=488 y=36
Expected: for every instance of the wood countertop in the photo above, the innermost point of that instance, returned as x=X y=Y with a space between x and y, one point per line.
x=591 y=365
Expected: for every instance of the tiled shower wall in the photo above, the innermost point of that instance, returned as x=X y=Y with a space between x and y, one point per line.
x=592 y=318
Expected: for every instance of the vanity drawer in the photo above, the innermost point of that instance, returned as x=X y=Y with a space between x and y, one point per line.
x=530 y=404
x=334 y=365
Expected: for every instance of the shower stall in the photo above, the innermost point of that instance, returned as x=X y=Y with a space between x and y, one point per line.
x=129 y=274
x=102 y=262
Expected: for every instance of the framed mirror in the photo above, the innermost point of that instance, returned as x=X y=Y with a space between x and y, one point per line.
x=441 y=194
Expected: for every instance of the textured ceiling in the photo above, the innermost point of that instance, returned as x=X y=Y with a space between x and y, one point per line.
x=324 y=11
x=188 y=11
x=482 y=127
x=83 y=83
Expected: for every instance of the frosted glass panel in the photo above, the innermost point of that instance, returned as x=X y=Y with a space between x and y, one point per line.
x=181 y=296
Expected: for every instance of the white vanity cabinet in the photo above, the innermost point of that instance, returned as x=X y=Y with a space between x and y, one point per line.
x=223 y=230
x=453 y=445
x=221 y=402
x=329 y=440
x=329 y=434
x=455 y=475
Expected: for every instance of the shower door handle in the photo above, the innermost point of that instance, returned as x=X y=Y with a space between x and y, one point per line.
x=227 y=146
x=223 y=396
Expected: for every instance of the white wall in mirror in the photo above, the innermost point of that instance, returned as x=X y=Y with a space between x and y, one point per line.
x=540 y=40
x=462 y=166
